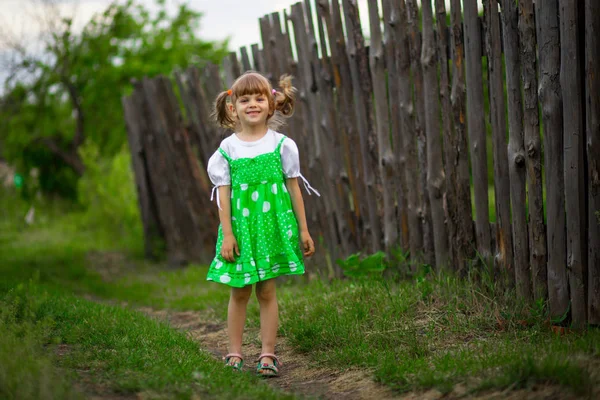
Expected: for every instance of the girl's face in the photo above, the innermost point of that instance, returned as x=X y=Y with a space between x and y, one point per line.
x=252 y=109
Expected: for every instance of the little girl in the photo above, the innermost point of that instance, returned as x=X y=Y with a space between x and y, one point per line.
x=255 y=172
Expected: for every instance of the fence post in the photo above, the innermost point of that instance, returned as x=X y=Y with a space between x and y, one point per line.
x=447 y=135
x=435 y=164
x=346 y=117
x=419 y=103
x=407 y=130
x=516 y=152
x=533 y=147
x=503 y=257
x=232 y=68
x=361 y=83
x=330 y=164
x=552 y=119
x=311 y=143
x=476 y=124
x=390 y=14
x=592 y=11
x=269 y=59
x=386 y=162
x=258 y=58
x=457 y=151
x=153 y=232
x=573 y=131
x=245 y=59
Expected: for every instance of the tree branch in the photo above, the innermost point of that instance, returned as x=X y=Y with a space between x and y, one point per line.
x=71 y=158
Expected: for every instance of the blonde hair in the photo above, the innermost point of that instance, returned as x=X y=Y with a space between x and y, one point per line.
x=281 y=103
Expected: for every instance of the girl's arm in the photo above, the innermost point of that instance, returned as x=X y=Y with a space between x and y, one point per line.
x=298 y=204
x=229 y=245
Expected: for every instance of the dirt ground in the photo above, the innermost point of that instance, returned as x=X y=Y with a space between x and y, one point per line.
x=298 y=374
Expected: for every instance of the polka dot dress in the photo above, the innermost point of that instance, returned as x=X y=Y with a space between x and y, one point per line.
x=263 y=223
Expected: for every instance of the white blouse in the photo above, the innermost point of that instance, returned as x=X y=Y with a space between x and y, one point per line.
x=218 y=166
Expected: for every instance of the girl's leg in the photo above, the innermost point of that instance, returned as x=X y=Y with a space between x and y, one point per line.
x=269 y=316
x=236 y=318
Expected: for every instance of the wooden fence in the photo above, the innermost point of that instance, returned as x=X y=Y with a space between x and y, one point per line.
x=395 y=136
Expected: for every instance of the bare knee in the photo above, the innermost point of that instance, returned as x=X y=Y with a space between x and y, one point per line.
x=241 y=295
x=265 y=291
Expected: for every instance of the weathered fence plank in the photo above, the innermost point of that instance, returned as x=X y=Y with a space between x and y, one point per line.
x=417 y=73
x=503 y=257
x=346 y=117
x=458 y=149
x=548 y=33
x=407 y=129
x=516 y=150
x=435 y=160
x=232 y=68
x=573 y=131
x=476 y=124
x=391 y=33
x=313 y=152
x=533 y=146
x=361 y=84
x=337 y=167
x=386 y=162
x=198 y=108
x=270 y=65
x=135 y=130
x=245 y=59
x=174 y=174
x=211 y=78
x=335 y=206
x=592 y=60
x=278 y=39
x=449 y=167
x=257 y=58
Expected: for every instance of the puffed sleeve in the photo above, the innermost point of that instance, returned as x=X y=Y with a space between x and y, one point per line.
x=218 y=170
x=290 y=158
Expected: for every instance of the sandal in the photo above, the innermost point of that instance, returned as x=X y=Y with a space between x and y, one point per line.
x=237 y=366
x=262 y=368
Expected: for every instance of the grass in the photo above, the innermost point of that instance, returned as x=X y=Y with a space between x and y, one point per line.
x=51 y=337
x=121 y=350
x=431 y=331
x=438 y=333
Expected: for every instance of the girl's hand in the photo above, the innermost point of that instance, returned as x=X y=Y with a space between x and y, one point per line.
x=228 y=248
x=308 y=246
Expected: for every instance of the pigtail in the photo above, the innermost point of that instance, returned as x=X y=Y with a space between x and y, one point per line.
x=221 y=114
x=286 y=98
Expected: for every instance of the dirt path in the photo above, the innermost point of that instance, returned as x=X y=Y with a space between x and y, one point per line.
x=297 y=373
x=300 y=376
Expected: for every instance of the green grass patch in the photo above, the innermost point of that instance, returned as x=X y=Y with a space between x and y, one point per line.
x=431 y=331
x=435 y=333
x=62 y=253
x=121 y=351
x=48 y=331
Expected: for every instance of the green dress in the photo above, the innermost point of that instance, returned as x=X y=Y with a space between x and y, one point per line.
x=263 y=223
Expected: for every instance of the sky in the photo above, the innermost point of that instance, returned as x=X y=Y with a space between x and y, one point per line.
x=237 y=19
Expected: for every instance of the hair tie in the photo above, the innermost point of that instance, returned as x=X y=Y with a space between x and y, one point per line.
x=274 y=92
x=229 y=92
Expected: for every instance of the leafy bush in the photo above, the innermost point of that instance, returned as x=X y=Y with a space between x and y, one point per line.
x=356 y=266
x=107 y=193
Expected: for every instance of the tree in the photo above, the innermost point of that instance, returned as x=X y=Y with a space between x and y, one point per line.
x=71 y=93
